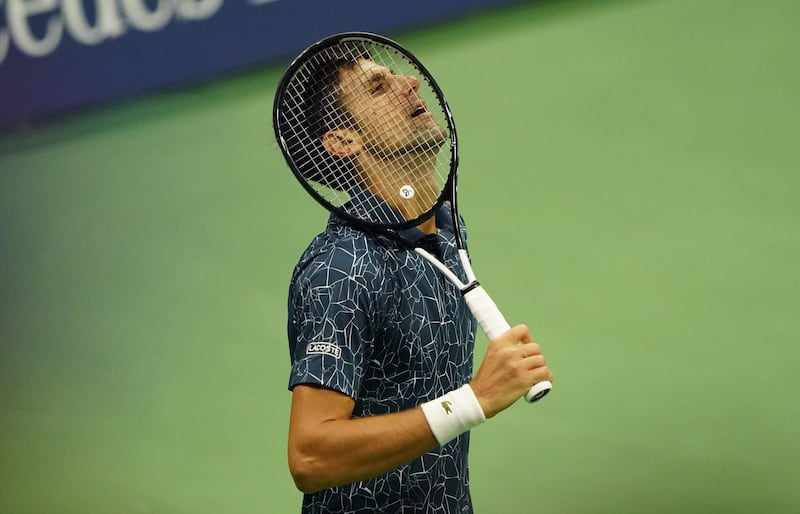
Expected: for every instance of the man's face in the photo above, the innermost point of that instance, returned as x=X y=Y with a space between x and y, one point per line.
x=390 y=115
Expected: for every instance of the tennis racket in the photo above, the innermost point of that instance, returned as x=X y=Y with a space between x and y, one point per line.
x=366 y=130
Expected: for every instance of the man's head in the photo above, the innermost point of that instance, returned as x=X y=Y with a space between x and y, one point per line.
x=313 y=109
x=357 y=112
x=384 y=114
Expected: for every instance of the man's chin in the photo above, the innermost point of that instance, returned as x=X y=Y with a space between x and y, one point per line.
x=430 y=140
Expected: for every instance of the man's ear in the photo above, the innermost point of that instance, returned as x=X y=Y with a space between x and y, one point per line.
x=342 y=142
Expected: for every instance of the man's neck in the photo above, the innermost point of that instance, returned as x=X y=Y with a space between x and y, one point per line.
x=428 y=226
x=387 y=177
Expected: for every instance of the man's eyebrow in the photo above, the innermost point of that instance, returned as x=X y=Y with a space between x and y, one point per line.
x=376 y=74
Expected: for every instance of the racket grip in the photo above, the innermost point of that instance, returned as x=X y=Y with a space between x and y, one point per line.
x=486 y=312
x=494 y=324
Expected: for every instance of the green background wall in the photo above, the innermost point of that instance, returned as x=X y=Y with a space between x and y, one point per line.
x=630 y=178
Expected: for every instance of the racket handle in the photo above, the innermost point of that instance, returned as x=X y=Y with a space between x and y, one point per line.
x=538 y=391
x=486 y=312
x=493 y=325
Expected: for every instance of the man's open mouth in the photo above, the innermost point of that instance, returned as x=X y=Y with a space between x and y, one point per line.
x=418 y=111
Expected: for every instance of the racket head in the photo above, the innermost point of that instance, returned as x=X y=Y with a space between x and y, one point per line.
x=364 y=126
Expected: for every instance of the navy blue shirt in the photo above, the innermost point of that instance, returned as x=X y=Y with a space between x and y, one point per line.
x=373 y=320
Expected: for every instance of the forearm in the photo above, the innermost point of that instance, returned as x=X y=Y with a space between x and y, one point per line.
x=328 y=448
x=342 y=451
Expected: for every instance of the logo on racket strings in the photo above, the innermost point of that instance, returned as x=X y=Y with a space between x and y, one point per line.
x=407 y=192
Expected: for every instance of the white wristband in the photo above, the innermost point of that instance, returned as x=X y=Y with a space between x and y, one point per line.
x=453 y=413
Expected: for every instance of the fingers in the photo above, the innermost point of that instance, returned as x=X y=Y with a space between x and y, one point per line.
x=518 y=334
x=518 y=342
x=520 y=337
x=539 y=371
x=530 y=351
x=534 y=361
x=541 y=374
x=513 y=363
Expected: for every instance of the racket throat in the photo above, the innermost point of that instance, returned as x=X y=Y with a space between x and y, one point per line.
x=444 y=270
x=465 y=287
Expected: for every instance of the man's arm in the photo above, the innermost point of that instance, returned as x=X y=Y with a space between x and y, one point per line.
x=328 y=448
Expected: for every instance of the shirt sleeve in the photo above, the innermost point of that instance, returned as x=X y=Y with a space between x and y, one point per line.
x=332 y=321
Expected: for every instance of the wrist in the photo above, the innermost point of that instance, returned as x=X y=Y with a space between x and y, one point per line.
x=453 y=413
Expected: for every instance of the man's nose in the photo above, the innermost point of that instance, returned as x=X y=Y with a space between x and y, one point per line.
x=409 y=83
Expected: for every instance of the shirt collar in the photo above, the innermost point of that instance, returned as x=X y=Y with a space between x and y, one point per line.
x=364 y=199
x=444 y=222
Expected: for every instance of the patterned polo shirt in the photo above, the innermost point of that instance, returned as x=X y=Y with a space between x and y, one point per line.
x=375 y=321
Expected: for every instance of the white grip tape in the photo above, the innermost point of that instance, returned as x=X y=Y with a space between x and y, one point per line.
x=494 y=324
x=453 y=413
x=486 y=312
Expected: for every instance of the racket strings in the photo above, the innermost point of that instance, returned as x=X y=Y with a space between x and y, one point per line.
x=366 y=130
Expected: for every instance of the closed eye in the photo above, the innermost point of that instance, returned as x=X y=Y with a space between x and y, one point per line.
x=378 y=82
x=378 y=87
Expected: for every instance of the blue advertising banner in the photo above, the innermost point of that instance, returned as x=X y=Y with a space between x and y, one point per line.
x=57 y=55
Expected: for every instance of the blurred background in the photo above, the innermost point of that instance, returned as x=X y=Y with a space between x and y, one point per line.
x=629 y=176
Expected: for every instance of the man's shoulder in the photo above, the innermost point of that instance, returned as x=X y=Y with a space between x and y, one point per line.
x=340 y=240
x=342 y=249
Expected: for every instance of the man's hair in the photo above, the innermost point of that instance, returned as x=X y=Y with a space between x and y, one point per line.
x=316 y=109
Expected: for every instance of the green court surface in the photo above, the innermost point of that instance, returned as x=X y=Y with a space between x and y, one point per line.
x=630 y=179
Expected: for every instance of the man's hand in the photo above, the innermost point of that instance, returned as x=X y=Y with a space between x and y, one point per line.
x=512 y=365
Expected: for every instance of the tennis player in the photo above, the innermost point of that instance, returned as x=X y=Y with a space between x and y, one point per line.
x=383 y=392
